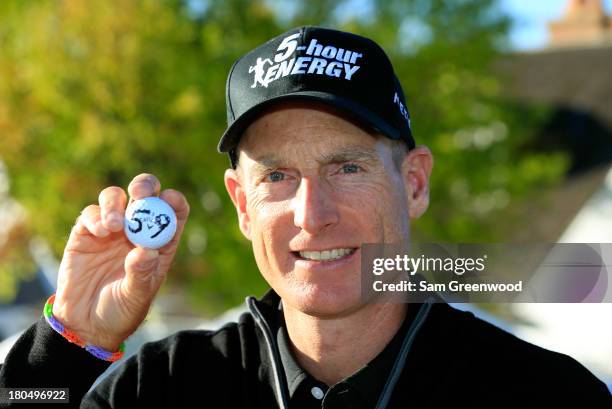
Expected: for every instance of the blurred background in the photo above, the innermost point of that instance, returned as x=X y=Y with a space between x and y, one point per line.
x=514 y=98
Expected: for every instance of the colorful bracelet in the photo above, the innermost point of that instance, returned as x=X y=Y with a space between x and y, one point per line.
x=96 y=351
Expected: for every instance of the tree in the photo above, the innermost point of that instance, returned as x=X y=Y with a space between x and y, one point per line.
x=94 y=92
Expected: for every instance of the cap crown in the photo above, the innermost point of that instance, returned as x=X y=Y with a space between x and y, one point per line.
x=343 y=69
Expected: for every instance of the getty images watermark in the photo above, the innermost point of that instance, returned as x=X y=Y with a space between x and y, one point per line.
x=500 y=272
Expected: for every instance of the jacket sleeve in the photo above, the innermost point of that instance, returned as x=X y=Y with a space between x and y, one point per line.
x=180 y=371
x=140 y=381
x=42 y=358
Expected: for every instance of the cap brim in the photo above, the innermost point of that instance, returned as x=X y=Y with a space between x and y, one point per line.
x=232 y=134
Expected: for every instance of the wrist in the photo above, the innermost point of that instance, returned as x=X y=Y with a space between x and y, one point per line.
x=108 y=351
x=105 y=342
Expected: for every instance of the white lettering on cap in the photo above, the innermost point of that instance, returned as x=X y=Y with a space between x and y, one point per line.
x=320 y=59
x=402 y=108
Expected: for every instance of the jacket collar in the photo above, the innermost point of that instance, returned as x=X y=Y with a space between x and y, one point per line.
x=265 y=311
x=270 y=299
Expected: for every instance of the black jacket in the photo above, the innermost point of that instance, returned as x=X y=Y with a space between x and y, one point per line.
x=448 y=358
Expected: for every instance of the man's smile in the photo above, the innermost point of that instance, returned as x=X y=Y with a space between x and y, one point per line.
x=325 y=255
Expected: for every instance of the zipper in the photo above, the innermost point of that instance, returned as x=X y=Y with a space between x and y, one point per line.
x=400 y=362
x=281 y=389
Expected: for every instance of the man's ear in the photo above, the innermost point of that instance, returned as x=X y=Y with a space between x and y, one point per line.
x=416 y=170
x=235 y=188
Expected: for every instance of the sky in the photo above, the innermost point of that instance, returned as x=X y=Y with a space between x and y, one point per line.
x=531 y=16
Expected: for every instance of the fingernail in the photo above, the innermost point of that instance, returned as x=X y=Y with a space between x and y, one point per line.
x=151 y=187
x=114 y=220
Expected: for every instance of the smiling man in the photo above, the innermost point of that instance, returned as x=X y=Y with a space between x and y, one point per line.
x=310 y=187
x=322 y=161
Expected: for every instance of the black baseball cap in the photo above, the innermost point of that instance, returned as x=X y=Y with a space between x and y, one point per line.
x=344 y=70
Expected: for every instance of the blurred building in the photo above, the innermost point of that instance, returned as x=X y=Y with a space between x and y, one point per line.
x=573 y=77
x=20 y=294
x=584 y=23
x=576 y=84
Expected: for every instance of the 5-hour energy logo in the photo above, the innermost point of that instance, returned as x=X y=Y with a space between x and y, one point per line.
x=319 y=59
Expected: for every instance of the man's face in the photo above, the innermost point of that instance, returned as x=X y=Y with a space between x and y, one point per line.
x=310 y=188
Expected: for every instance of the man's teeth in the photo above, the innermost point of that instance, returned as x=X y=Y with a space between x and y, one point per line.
x=326 y=254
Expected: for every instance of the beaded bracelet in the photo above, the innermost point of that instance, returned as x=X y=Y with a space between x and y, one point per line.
x=96 y=351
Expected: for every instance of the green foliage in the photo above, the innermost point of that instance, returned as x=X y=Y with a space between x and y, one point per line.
x=93 y=92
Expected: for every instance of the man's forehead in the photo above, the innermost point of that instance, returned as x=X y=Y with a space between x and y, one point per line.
x=307 y=133
x=333 y=155
x=285 y=115
x=304 y=114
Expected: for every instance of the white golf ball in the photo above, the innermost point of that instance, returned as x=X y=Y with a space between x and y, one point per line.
x=150 y=222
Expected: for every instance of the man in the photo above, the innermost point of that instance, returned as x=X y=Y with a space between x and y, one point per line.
x=323 y=160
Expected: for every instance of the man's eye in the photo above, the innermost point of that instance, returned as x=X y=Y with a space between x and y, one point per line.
x=350 y=168
x=275 y=176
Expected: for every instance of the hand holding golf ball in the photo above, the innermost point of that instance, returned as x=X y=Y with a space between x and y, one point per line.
x=116 y=259
x=150 y=223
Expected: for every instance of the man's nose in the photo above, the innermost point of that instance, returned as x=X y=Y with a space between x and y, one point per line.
x=314 y=207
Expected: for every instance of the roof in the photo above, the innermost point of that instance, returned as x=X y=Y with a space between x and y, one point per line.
x=577 y=85
x=578 y=78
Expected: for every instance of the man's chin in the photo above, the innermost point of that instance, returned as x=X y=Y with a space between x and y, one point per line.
x=325 y=302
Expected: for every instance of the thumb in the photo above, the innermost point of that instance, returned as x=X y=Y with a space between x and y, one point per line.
x=142 y=278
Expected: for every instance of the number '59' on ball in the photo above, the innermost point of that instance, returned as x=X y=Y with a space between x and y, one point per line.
x=150 y=222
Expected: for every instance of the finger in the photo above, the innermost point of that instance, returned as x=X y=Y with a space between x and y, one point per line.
x=90 y=218
x=143 y=278
x=143 y=185
x=112 y=208
x=177 y=201
x=181 y=207
x=79 y=228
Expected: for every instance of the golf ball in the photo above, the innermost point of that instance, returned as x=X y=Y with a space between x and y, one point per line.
x=150 y=222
